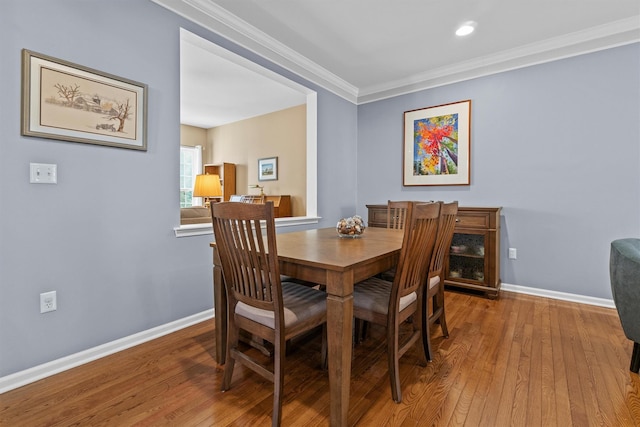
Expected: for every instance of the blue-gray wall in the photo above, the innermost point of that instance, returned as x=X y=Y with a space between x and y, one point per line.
x=556 y=145
x=103 y=236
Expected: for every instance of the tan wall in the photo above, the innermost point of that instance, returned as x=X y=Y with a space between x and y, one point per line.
x=281 y=134
x=192 y=136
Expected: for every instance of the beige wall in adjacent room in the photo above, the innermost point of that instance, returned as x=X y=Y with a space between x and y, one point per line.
x=281 y=134
x=192 y=136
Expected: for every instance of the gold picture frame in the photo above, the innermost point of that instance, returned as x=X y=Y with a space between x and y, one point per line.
x=68 y=102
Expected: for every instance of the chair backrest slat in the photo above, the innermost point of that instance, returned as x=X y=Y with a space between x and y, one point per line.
x=446 y=226
x=420 y=232
x=250 y=272
x=397 y=214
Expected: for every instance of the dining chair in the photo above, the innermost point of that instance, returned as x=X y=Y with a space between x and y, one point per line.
x=434 y=290
x=390 y=304
x=397 y=214
x=258 y=301
x=396 y=218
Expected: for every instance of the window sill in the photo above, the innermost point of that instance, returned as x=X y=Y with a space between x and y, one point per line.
x=189 y=230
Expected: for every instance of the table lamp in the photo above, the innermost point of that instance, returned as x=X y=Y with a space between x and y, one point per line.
x=207 y=186
x=261 y=187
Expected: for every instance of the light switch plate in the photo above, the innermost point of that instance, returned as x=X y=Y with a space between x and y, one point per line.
x=42 y=173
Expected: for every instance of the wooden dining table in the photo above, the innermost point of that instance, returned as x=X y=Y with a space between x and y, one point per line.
x=321 y=256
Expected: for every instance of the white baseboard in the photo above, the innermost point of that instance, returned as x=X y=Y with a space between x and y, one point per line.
x=18 y=379
x=39 y=372
x=601 y=302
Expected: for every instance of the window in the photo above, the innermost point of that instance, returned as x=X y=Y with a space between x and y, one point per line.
x=190 y=166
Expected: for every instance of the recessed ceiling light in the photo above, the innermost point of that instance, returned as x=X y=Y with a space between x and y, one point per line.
x=466 y=29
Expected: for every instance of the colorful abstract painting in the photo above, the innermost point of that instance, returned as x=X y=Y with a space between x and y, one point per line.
x=436 y=146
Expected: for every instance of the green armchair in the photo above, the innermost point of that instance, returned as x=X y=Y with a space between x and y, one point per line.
x=624 y=269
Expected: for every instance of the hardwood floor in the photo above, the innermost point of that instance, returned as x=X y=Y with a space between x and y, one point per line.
x=515 y=361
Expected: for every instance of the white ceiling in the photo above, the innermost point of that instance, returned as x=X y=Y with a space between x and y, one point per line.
x=364 y=50
x=218 y=87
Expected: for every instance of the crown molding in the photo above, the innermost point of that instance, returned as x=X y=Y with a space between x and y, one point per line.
x=220 y=21
x=227 y=25
x=602 y=37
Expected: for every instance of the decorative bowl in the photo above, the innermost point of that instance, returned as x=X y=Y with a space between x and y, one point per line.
x=351 y=227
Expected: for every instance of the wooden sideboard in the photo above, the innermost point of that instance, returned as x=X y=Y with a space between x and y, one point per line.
x=281 y=204
x=474 y=257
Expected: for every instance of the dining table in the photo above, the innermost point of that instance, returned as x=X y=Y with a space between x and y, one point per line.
x=321 y=256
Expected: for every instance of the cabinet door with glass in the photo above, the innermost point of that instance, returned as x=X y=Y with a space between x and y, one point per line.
x=474 y=258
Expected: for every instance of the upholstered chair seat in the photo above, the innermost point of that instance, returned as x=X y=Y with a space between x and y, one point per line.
x=301 y=303
x=374 y=296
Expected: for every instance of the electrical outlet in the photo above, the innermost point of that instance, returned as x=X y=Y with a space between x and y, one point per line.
x=513 y=253
x=48 y=302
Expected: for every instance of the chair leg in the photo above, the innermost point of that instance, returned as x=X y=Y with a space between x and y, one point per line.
x=443 y=317
x=360 y=330
x=426 y=341
x=232 y=344
x=394 y=365
x=278 y=381
x=426 y=334
x=364 y=330
x=635 y=358
x=443 y=324
x=324 y=349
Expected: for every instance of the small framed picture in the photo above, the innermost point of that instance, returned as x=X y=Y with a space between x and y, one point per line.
x=268 y=169
x=68 y=102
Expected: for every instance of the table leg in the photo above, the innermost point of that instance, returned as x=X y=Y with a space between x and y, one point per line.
x=339 y=338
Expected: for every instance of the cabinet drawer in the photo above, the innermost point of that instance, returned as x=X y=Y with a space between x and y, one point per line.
x=473 y=220
x=377 y=216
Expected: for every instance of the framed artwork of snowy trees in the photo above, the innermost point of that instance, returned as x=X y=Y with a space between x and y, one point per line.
x=69 y=102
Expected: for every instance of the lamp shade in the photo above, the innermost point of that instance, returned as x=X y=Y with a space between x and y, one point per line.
x=207 y=186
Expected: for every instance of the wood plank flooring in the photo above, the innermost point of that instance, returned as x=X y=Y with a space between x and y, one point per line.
x=515 y=361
